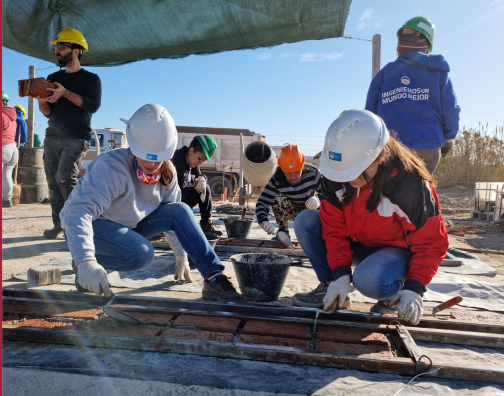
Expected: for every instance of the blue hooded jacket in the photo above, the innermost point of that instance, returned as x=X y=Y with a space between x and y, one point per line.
x=24 y=128
x=415 y=98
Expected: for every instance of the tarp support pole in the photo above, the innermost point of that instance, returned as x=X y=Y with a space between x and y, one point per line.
x=376 y=54
x=31 y=112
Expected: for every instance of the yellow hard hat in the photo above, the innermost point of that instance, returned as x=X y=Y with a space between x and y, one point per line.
x=23 y=110
x=72 y=36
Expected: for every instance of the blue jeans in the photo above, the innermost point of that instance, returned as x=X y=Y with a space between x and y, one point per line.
x=118 y=248
x=380 y=272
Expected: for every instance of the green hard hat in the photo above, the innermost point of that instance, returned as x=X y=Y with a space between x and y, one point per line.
x=420 y=24
x=209 y=145
x=5 y=96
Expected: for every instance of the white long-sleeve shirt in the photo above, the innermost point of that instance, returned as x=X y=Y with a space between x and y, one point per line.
x=110 y=190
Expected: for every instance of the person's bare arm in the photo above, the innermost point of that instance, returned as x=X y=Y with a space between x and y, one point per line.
x=61 y=91
x=44 y=106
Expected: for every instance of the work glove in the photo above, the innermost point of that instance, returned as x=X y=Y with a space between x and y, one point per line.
x=445 y=150
x=285 y=239
x=93 y=277
x=201 y=184
x=336 y=293
x=174 y=243
x=409 y=304
x=312 y=203
x=182 y=269
x=268 y=227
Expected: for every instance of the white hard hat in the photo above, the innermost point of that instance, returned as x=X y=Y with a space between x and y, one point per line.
x=151 y=133
x=352 y=144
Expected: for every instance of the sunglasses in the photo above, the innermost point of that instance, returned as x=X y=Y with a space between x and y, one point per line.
x=63 y=46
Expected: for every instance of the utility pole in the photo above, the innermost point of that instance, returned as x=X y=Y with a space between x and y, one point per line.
x=376 y=54
x=31 y=112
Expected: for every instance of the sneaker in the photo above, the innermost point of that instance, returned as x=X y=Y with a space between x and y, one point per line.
x=7 y=203
x=210 y=228
x=384 y=307
x=77 y=284
x=314 y=299
x=221 y=289
x=54 y=232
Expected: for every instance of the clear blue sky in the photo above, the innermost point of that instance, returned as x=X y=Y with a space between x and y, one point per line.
x=292 y=92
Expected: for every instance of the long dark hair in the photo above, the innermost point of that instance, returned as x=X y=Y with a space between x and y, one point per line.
x=394 y=156
x=166 y=173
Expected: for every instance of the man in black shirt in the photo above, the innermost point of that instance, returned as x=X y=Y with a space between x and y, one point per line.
x=69 y=109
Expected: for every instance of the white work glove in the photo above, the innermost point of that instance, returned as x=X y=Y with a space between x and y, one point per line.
x=268 y=227
x=410 y=305
x=312 y=203
x=93 y=277
x=201 y=185
x=284 y=238
x=182 y=269
x=336 y=293
x=174 y=243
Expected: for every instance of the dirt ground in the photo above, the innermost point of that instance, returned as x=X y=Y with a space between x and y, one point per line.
x=24 y=247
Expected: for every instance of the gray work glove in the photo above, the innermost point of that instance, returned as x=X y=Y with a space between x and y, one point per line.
x=182 y=270
x=93 y=277
x=201 y=185
x=445 y=150
x=336 y=293
x=268 y=227
x=312 y=202
x=410 y=305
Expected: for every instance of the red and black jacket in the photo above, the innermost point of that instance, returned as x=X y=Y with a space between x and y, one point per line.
x=408 y=217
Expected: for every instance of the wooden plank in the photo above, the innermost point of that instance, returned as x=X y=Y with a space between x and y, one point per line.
x=457 y=337
x=391 y=365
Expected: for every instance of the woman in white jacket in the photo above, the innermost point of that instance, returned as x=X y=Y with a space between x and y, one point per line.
x=129 y=195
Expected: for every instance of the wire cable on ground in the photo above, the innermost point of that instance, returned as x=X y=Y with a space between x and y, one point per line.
x=386 y=382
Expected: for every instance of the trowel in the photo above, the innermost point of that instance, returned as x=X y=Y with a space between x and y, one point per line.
x=120 y=315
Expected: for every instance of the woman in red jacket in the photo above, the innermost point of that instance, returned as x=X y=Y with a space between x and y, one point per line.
x=380 y=212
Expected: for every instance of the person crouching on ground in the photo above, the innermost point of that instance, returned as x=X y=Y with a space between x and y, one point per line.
x=292 y=188
x=129 y=195
x=380 y=212
x=192 y=182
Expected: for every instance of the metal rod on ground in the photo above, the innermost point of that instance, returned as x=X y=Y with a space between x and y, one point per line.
x=376 y=54
x=31 y=112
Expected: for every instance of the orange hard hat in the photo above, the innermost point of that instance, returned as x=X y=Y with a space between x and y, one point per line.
x=291 y=158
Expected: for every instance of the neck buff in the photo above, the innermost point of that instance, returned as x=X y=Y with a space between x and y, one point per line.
x=147 y=179
x=405 y=47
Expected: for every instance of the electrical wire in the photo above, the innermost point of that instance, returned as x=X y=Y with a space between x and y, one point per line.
x=355 y=38
x=386 y=382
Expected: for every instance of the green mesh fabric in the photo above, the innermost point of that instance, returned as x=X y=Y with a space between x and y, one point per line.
x=121 y=31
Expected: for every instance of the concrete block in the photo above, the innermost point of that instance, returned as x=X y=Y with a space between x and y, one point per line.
x=43 y=275
x=351 y=336
x=198 y=335
x=338 y=348
x=275 y=329
x=276 y=341
x=209 y=323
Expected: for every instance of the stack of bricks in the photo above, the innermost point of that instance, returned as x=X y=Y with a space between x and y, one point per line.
x=329 y=339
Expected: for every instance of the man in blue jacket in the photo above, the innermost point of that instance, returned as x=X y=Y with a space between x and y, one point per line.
x=21 y=125
x=415 y=96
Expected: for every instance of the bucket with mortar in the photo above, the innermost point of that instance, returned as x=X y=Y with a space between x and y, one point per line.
x=212 y=240
x=261 y=276
x=237 y=227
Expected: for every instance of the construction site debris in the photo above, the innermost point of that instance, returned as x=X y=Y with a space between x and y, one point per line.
x=476 y=317
x=463 y=230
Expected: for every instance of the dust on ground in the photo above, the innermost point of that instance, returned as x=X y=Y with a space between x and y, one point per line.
x=456 y=197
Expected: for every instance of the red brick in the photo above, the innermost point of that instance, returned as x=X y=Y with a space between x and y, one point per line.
x=351 y=336
x=390 y=315
x=42 y=323
x=223 y=241
x=21 y=309
x=277 y=341
x=275 y=329
x=122 y=329
x=154 y=318
x=8 y=319
x=209 y=323
x=69 y=312
x=199 y=335
x=476 y=317
x=338 y=348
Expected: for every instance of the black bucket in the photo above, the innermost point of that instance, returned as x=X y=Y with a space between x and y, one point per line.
x=261 y=276
x=212 y=240
x=238 y=228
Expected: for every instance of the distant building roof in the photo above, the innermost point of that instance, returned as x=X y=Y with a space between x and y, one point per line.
x=214 y=131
